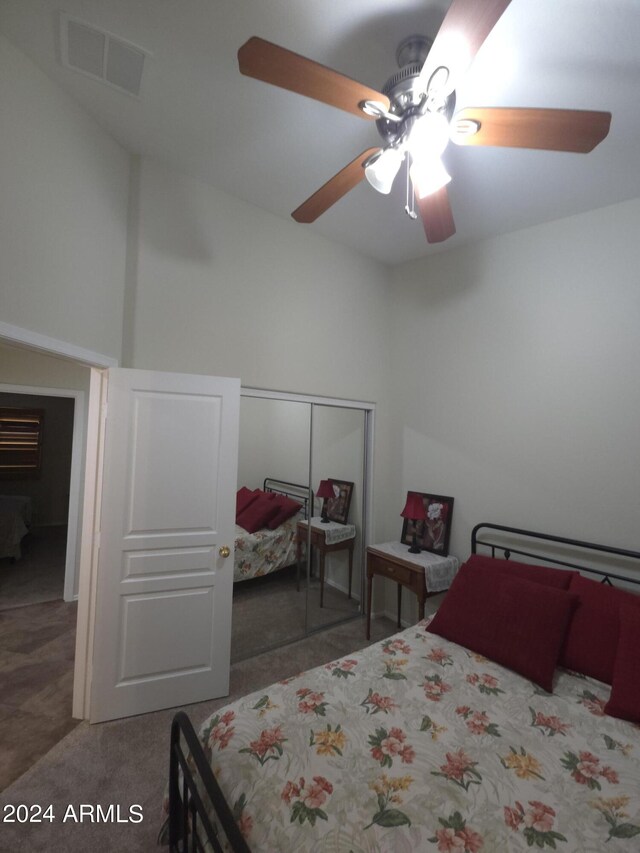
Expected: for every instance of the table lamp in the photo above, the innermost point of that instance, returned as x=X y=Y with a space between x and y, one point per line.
x=325 y=491
x=414 y=511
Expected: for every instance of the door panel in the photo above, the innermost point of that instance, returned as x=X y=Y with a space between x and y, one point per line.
x=157 y=419
x=163 y=609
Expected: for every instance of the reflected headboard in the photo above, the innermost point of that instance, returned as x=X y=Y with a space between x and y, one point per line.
x=296 y=491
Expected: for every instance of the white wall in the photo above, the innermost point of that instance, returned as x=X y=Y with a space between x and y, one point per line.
x=64 y=188
x=520 y=392
x=273 y=442
x=222 y=287
x=20 y=366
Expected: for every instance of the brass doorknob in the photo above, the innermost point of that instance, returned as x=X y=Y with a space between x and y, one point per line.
x=224 y=551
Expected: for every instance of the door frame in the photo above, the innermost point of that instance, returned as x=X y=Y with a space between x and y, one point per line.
x=73 y=517
x=35 y=341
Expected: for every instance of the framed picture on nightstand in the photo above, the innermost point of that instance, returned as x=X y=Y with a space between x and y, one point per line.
x=338 y=506
x=434 y=532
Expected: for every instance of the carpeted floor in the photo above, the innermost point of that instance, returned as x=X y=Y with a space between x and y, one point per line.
x=271 y=610
x=37 y=652
x=37 y=648
x=125 y=762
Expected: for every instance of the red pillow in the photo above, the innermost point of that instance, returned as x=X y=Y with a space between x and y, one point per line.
x=559 y=578
x=244 y=497
x=286 y=509
x=624 y=701
x=515 y=622
x=258 y=513
x=592 y=639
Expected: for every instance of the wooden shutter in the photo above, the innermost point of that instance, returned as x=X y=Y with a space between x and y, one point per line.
x=20 y=443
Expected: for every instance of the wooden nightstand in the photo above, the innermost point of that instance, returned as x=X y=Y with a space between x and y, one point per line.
x=425 y=574
x=321 y=538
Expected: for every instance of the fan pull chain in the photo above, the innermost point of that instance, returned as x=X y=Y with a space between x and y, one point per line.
x=409 y=207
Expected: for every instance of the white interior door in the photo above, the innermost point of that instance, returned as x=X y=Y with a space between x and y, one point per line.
x=164 y=579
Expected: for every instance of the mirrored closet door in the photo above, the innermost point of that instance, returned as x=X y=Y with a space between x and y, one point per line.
x=270 y=591
x=337 y=461
x=298 y=569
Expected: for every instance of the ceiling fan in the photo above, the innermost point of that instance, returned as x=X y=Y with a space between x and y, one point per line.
x=415 y=114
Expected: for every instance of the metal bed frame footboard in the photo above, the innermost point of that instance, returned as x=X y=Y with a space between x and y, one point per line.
x=575 y=553
x=191 y=807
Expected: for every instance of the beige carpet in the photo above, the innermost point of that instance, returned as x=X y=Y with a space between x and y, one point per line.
x=270 y=611
x=37 y=648
x=125 y=762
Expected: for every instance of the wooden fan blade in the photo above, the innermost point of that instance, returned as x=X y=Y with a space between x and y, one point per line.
x=280 y=67
x=463 y=32
x=437 y=217
x=552 y=130
x=334 y=189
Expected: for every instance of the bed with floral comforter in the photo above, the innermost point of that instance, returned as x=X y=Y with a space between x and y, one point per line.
x=265 y=551
x=417 y=744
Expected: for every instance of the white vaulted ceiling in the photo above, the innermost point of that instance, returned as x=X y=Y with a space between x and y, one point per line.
x=198 y=114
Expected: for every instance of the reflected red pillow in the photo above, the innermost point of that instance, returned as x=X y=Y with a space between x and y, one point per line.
x=514 y=622
x=286 y=509
x=558 y=578
x=624 y=701
x=592 y=639
x=258 y=513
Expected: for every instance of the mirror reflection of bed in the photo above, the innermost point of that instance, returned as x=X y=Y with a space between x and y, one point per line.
x=285 y=446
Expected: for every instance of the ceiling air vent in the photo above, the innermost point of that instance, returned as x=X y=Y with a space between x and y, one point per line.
x=101 y=55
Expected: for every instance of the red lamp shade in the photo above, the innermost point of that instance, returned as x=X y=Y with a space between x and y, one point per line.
x=414 y=507
x=325 y=489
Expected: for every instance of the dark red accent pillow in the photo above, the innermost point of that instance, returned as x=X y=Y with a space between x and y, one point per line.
x=244 y=497
x=512 y=621
x=258 y=513
x=286 y=509
x=558 y=578
x=592 y=639
x=624 y=701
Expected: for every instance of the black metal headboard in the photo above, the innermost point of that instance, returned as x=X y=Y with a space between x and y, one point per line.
x=296 y=491
x=568 y=553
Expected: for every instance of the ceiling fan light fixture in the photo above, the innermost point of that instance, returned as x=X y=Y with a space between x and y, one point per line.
x=428 y=136
x=465 y=127
x=438 y=80
x=428 y=176
x=376 y=110
x=382 y=171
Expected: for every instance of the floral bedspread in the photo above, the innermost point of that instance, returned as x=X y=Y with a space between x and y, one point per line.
x=265 y=551
x=417 y=744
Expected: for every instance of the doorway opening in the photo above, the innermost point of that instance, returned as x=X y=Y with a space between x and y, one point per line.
x=38 y=610
x=35 y=504
x=38 y=544
x=42 y=515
